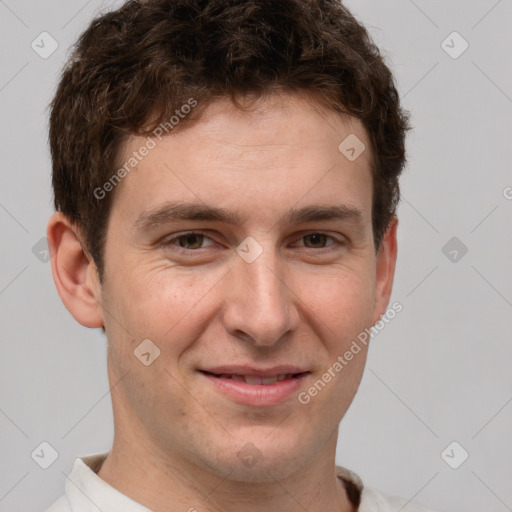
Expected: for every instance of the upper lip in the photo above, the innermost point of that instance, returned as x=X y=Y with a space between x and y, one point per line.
x=257 y=372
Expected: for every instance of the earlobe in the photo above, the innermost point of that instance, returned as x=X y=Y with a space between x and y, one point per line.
x=385 y=269
x=74 y=272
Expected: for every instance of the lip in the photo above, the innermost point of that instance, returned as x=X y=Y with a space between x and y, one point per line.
x=257 y=395
x=257 y=372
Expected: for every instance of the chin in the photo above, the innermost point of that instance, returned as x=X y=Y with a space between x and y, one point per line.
x=267 y=469
x=257 y=458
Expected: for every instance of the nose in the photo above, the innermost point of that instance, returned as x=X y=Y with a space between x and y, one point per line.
x=261 y=303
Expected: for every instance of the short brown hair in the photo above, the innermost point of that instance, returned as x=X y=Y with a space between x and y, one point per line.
x=132 y=68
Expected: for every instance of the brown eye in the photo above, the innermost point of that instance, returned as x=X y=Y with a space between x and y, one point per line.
x=318 y=240
x=191 y=240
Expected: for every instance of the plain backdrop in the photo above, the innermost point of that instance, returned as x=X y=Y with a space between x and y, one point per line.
x=439 y=373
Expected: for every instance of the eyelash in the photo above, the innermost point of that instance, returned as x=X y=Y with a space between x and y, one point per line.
x=170 y=242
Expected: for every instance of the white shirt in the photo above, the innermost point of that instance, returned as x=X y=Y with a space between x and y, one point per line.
x=85 y=491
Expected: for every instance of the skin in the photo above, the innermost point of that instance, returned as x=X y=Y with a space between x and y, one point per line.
x=302 y=301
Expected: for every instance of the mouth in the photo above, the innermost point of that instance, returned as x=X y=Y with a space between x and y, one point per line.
x=255 y=380
x=248 y=386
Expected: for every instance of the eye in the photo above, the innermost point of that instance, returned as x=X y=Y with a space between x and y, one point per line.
x=188 y=241
x=319 y=240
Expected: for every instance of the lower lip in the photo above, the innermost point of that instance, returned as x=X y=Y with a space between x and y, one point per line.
x=257 y=394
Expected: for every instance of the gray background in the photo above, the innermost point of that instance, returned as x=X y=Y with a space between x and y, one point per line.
x=438 y=373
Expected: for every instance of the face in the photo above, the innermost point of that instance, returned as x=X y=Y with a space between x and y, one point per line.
x=242 y=247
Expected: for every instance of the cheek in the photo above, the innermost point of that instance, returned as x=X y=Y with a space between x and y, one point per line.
x=161 y=302
x=343 y=307
x=343 y=301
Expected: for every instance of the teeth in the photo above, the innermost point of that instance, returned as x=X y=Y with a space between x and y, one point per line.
x=253 y=380
x=250 y=379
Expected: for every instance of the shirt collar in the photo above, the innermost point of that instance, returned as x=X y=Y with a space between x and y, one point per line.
x=87 y=492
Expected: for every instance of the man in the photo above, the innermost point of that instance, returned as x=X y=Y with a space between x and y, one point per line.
x=226 y=178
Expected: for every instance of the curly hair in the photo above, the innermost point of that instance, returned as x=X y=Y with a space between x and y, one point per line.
x=134 y=67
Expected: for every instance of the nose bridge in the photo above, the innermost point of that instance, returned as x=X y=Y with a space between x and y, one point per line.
x=264 y=281
x=260 y=305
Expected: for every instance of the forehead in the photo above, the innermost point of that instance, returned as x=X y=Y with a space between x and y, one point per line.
x=283 y=152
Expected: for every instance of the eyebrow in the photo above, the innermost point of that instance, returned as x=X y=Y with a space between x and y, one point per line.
x=316 y=213
x=171 y=212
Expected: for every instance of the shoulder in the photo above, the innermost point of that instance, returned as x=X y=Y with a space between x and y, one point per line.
x=59 y=505
x=369 y=499
x=373 y=500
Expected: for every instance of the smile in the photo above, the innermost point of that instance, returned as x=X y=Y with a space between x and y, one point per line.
x=256 y=388
x=255 y=380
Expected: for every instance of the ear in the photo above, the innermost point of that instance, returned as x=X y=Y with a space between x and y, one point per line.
x=385 y=269
x=74 y=272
